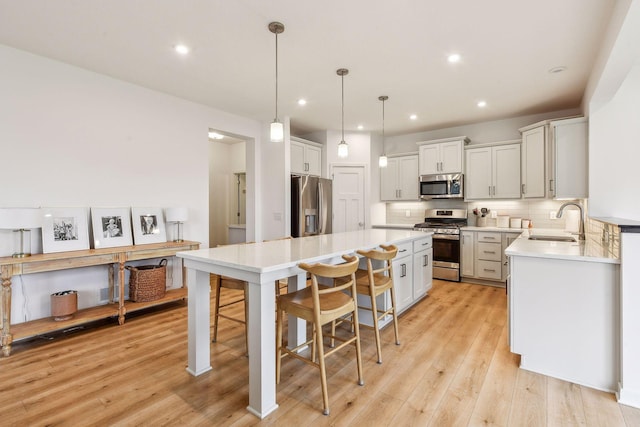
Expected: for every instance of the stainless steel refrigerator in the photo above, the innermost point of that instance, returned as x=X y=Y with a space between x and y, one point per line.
x=311 y=210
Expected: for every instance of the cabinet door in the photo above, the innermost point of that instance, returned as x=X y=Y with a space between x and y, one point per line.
x=507 y=239
x=422 y=273
x=478 y=183
x=506 y=171
x=429 y=159
x=451 y=157
x=297 y=158
x=389 y=181
x=313 y=160
x=408 y=178
x=467 y=255
x=403 y=282
x=533 y=163
x=570 y=143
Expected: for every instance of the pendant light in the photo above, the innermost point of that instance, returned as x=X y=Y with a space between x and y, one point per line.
x=277 y=128
x=382 y=161
x=343 y=148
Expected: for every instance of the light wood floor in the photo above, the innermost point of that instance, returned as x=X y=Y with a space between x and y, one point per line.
x=453 y=368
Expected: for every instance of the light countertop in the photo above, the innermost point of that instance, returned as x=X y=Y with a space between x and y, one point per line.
x=394 y=226
x=589 y=250
x=275 y=255
x=500 y=229
x=626 y=225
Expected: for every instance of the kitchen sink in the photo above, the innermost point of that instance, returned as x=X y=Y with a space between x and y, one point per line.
x=553 y=238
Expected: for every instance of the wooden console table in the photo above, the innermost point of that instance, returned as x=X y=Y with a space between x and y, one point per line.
x=113 y=257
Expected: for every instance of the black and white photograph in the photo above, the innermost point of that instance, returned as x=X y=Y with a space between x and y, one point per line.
x=64 y=229
x=111 y=227
x=148 y=225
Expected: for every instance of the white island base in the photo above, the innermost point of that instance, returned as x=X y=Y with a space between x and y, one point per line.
x=564 y=319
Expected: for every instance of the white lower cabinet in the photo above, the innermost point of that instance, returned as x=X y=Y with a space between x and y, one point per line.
x=482 y=255
x=412 y=279
x=403 y=276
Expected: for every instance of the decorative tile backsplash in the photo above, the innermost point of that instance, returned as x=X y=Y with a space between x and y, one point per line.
x=538 y=211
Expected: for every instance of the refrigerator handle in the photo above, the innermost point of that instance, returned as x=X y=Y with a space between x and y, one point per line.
x=320 y=224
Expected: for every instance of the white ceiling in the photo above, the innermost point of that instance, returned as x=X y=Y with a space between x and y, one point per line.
x=396 y=48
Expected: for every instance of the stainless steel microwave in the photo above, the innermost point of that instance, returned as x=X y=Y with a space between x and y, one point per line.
x=444 y=186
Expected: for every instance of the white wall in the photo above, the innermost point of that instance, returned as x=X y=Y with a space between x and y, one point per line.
x=276 y=186
x=71 y=137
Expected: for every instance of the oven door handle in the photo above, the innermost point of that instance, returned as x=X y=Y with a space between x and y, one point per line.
x=446 y=237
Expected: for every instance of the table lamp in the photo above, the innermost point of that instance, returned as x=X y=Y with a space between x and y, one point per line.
x=21 y=220
x=178 y=216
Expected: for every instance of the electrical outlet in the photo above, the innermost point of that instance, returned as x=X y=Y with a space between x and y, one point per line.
x=407 y=213
x=552 y=214
x=494 y=214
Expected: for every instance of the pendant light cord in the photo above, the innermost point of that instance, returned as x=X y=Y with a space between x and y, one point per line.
x=276 y=76
x=383 y=151
x=342 y=77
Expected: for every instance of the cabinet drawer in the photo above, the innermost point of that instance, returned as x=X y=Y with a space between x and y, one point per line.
x=422 y=244
x=489 y=269
x=489 y=251
x=484 y=236
x=404 y=249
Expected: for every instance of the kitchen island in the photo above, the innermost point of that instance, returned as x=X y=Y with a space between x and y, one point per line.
x=261 y=264
x=563 y=309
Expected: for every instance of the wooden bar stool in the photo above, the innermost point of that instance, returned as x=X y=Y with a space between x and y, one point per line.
x=322 y=305
x=224 y=282
x=374 y=282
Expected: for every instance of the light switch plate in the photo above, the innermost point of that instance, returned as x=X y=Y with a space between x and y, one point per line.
x=552 y=215
x=407 y=213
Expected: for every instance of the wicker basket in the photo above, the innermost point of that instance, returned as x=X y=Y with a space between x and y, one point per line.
x=148 y=282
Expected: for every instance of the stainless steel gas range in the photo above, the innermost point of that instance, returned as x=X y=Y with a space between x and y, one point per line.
x=445 y=225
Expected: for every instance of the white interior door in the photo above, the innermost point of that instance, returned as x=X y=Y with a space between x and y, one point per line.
x=348 y=198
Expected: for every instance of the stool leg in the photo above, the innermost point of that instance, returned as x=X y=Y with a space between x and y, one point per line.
x=395 y=316
x=376 y=329
x=279 y=320
x=356 y=327
x=216 y=310
x=323 y=369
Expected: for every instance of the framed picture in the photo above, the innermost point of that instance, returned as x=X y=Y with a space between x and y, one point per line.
x=148 y=225
x=64 y=229
x=111 y=227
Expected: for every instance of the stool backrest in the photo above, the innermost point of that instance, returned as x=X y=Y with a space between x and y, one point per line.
x=387 y=254
x=331 y=271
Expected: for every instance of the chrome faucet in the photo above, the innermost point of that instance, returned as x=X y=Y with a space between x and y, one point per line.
x=581 y=226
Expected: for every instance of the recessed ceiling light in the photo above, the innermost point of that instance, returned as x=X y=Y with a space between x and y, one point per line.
x=181 y=49
x=413 y=117
x=302 y=101
x=482 y=104
x=215 y=135
x=453 y=58
x=556 y=70
x=360 y=127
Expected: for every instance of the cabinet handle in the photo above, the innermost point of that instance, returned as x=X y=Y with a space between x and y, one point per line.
x=425 y=261
x=424 y=244
x=403 y=269
x=489 y=190
x=400 y=194
x=550 y=185
x=402 y=250
x=489 y=238
x=523 y=189
x=494 y=190
x=489 y=270
x=489 y=252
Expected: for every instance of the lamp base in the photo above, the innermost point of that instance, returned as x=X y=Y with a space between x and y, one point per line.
x=20 y=255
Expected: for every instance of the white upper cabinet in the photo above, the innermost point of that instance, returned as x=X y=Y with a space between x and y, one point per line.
x=534 y=148
x=569 y=158
x=442 y=155
x=554 y=159
x=493 y=172
x=306 y=157
x=399 y=180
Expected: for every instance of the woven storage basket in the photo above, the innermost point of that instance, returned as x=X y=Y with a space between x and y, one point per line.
x=148 y=282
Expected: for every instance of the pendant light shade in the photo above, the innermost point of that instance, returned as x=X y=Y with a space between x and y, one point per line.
x=277 y=128
x=382 y=161
x=343 y=148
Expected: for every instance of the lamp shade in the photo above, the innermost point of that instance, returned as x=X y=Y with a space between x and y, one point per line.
x=277 y=132
x=20 y=218
x=177 y=214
